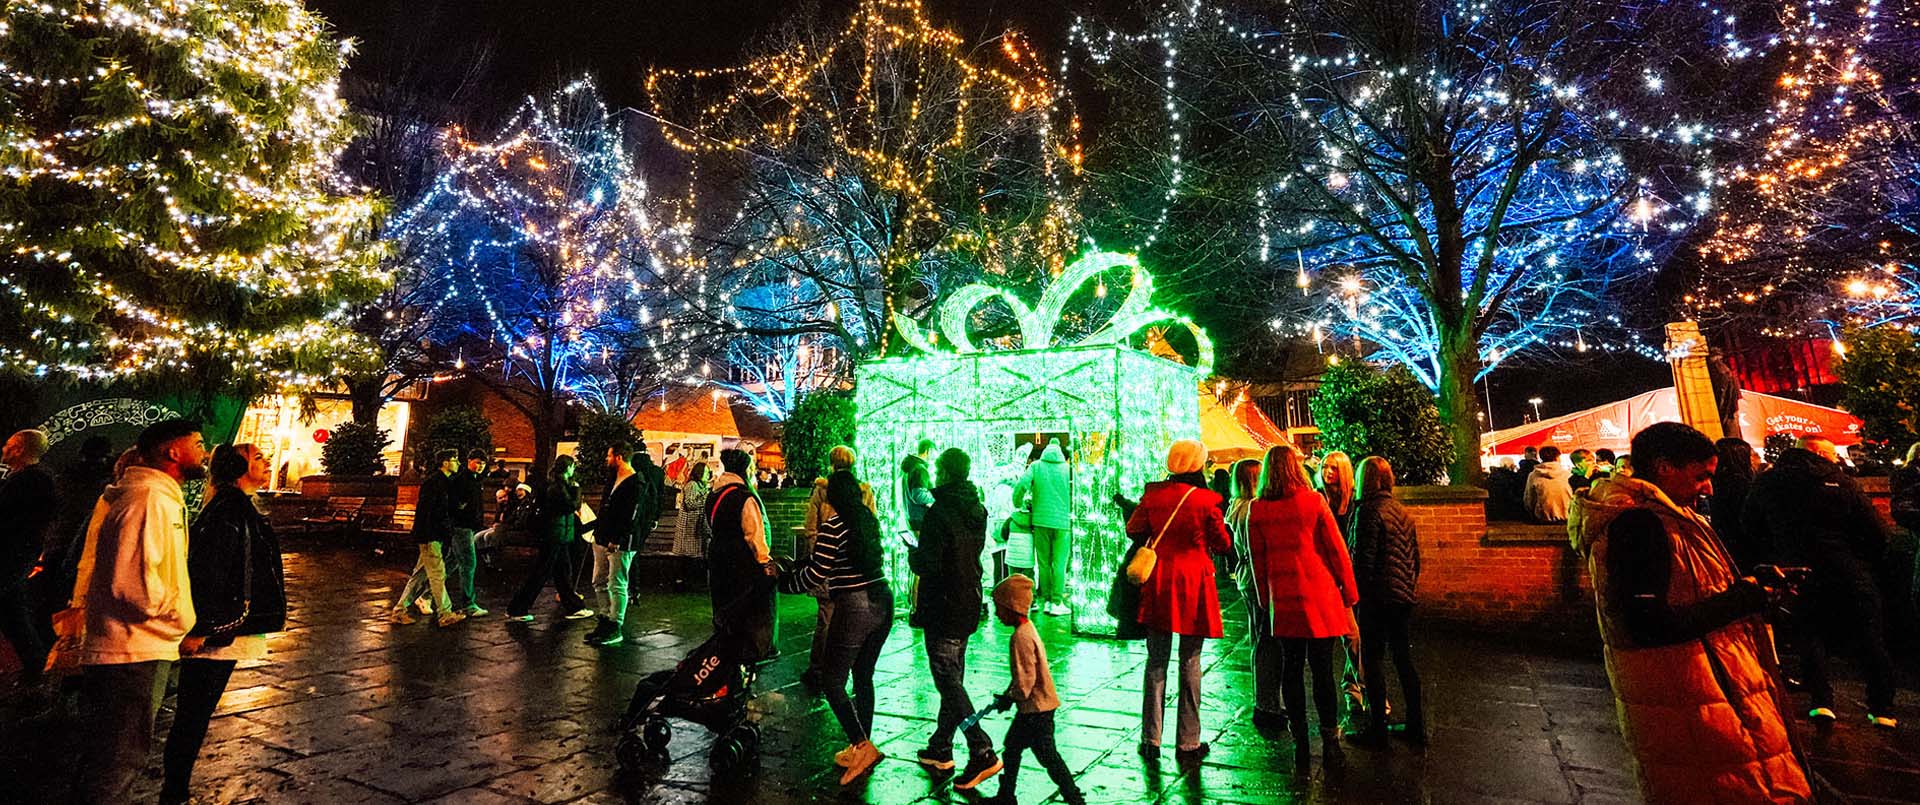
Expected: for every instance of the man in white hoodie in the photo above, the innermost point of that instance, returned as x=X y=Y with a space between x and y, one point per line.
x=138 y=609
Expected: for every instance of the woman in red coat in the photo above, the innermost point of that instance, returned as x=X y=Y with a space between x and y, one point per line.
x=1304 y=578
x=1180 y=519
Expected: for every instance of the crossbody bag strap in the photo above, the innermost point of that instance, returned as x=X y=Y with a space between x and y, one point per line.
x=1170 y=517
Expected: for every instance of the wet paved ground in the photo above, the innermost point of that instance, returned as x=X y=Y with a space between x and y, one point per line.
x=352 y=710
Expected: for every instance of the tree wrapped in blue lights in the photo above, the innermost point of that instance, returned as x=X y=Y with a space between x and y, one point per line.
x=1445 y=186
x=544 y=252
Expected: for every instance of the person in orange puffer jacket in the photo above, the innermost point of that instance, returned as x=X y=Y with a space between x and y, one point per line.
x=1690 y=660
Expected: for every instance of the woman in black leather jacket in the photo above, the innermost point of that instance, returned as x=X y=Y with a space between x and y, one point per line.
x=239 y=595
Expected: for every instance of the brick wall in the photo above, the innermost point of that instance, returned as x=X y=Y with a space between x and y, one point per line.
x=786 y=510
x=1527 y=580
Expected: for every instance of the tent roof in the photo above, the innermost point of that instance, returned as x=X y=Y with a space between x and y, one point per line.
x=1235 y=429
x=1612 y=425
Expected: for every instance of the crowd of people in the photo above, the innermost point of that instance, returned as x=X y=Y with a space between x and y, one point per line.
x=1693 y=548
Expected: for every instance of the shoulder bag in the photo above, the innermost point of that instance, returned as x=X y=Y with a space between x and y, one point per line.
x=1140 y=567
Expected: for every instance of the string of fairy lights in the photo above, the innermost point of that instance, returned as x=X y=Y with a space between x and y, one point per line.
x=92 y=296
x=1580 y=222
x=1828 y=237
x=921 y=101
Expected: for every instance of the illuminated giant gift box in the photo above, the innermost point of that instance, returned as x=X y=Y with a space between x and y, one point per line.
x=1119 y=408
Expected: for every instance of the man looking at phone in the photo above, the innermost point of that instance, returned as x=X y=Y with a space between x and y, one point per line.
x=1807 y=511
x=1691 y=665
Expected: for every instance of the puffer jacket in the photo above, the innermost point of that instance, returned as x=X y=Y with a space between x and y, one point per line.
x=1702 y=717
x=1047 y=485
x=947 y=560
x=1386 y=553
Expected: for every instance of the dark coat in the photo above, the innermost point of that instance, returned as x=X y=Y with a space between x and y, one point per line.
x=1905 y=485
x=1807 y=511
x=948 y=560
x=30 y=503
x=217 y=551
x=1386 y=551
x=433 y=513
x=648 y=502
x=469 y=500
x=560 y=512
x=615 y=527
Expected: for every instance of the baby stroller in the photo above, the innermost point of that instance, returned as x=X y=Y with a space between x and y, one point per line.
x=709 y=687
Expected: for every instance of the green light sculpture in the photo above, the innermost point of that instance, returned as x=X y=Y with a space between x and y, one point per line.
x=1121 y=407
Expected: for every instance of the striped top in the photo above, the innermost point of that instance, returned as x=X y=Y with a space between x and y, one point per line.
x=831 y=569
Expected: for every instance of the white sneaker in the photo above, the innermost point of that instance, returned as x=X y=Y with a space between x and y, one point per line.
x=422 y=604
x=475 y=611
x=583 y=612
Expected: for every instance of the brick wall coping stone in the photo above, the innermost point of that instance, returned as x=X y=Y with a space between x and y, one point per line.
x=1440 y=494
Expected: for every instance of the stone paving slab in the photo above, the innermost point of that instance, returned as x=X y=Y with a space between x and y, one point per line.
x=351 y=709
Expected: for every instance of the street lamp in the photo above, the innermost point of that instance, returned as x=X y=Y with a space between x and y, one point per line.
x=1535 y=401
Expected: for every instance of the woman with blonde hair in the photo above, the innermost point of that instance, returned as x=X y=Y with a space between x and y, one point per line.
x=1337 y=486
x=1303 y=575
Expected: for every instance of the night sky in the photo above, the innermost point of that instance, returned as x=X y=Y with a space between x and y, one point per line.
x=536 y=42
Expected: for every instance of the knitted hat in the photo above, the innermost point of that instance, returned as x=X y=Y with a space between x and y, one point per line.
x=1186 y=456
x=1015 y=593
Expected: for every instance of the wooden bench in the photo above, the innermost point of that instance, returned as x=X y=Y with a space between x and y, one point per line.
x=340 y=516
x=387 y=520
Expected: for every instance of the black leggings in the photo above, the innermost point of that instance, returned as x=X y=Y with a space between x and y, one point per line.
x=202 y=682
x=1033 y=731
x=1317 y=654
x=1383 y=628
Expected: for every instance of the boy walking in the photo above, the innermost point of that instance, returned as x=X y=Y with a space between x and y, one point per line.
x=1031 y=690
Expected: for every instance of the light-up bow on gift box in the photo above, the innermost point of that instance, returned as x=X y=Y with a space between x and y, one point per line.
x=1038 y=324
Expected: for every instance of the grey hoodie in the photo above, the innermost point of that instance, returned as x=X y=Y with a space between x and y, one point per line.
x=1549 y=492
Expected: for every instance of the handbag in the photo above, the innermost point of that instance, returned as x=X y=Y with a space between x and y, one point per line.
x=1140 y=567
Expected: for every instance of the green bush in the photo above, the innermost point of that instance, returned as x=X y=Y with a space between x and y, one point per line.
x=598 y=431
x=1364 y=410
x=1880 y=384
x=353 y=448
x=459 y=428
x=820 y=422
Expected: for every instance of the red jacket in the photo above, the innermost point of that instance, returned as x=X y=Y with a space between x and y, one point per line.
x=1180 y=597
x=1300 y=566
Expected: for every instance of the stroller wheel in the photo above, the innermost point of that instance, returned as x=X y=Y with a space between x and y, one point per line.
x=631 y=751
x=727 y=754
x=655 y=734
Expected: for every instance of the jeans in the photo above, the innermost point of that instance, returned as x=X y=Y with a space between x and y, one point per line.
x=1052 y=551
x=947 y=661
x=822 y=625
x=16 y=624
x=434 y=568
x=201 y=684
x=1830 y=612
x=1383 y=628
x=1034 y=731
x=555 y=562
x=1153 y=704
x=861 y=619
x=602 y=567
x=1317 y=653
x=117 y=706
x=460 y=567
x=1266 y=655
x=619 y=563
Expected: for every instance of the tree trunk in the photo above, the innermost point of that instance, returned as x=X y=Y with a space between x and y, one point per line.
x=363 y=394
x=1460 y=402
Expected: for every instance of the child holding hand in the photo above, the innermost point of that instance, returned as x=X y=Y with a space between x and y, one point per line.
x=1032 y=691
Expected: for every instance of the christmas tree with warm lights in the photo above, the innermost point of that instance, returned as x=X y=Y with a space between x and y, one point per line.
x=171 y=206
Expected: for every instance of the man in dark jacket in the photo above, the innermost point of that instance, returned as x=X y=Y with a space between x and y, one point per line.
x=469 y=516
x=29 y=503
x=624 y=521
x=433 y=523
x=1806 y=511
x=947 y=560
